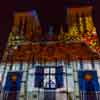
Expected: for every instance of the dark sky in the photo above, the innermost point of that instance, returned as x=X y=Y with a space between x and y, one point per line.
x=51 y=8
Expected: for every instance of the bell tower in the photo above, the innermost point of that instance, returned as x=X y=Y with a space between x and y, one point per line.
x=26 y=24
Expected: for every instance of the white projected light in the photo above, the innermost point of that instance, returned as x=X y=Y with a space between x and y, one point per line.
x=0 y=77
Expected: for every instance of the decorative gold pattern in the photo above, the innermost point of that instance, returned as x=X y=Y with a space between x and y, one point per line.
x=89 y=23
x=81 y=25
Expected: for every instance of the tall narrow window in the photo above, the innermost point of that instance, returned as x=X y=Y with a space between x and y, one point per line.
x=59 y=77
x=39 y=76
x=49 y=81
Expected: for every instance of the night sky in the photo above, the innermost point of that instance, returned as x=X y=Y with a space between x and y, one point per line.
x=46 y=9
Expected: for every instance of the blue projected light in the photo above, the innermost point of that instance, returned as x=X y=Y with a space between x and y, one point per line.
x=90 y=83
x=39 y=76
x=13 y=83
x=50 y=30
x=59 y=77
x=34 y=13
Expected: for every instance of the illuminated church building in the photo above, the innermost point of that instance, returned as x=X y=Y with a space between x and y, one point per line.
x=52 y=67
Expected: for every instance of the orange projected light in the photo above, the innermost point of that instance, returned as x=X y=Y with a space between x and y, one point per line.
x=88 y=77
x=14 y=78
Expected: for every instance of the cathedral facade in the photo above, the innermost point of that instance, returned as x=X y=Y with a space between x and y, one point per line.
x=62 y=66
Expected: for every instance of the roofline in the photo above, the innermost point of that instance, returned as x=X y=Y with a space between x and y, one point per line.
x=74 y=5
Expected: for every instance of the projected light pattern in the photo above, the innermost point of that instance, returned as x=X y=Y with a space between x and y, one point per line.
x=38 y=66
x=54 y=77
x=34 y=13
